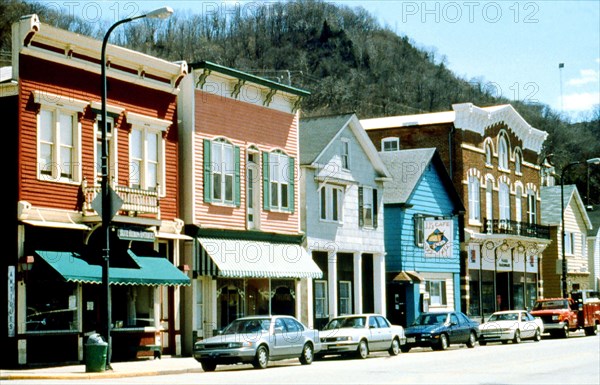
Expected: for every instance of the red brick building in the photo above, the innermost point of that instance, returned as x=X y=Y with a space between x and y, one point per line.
x=52 y=98
x=492 y=156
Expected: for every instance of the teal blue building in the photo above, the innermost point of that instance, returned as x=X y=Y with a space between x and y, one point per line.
x=421 y=234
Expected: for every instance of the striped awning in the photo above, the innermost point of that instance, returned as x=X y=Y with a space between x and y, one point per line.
x=237 y=258
x=148 y=271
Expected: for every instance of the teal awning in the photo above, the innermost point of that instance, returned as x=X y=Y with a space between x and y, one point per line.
x=150 y=271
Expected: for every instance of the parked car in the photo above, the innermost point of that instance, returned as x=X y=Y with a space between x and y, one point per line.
x=511 y=325
x=438 y=330
x=258 y=340
x=360 y=334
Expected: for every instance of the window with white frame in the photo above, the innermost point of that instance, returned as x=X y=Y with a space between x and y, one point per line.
x=569 y=243
x=504 y=201
x=390 y=144
x=59 y=145
x=223 y=172
x=278 y=173
x=474 y=199
x=518 y=204
x=531 y=207
x=502 y=152
x=111 y=139
x=419 y=234
x=345 y=297
x=489 y=200
x=488 y=154
x=321 y=305
x=345 y=155
x=437 y=292
x=517 y=162
x=367 y=207
x=145 y=165
x=331 y=202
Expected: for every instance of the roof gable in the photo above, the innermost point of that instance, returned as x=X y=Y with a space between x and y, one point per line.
x=551 y=206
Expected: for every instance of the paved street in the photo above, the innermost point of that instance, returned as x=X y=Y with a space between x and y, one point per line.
x=551 y=361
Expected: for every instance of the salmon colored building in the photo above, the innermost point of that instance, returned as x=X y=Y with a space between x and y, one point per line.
x=239 y=161
x=51 y=98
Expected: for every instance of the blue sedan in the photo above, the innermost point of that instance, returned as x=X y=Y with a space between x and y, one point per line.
x=441 y=329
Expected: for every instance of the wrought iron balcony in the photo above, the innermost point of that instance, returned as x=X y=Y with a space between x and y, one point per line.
x=503 y=226
x=135 y=201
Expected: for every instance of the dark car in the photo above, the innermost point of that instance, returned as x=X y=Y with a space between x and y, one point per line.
x=440 y=329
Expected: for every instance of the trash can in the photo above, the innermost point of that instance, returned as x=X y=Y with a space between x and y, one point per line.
x=96 y=350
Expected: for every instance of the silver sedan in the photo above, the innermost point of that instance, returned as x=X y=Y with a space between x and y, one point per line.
x=257 y=340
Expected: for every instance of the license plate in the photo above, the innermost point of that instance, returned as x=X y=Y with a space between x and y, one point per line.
x=411 y=340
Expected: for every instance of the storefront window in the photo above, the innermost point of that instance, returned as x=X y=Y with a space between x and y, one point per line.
x=284 y=297
x=487 y=292
x=531 y=287
x=230 y=300
x=51 y=306
x=474 y=308
x=258 y=296
x=517 y=291
x=132 y=306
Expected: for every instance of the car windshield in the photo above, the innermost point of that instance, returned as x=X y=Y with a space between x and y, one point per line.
x=430 y=319
x=504 y=317
x=556 y=304
x=245 y=326
x=346 y=322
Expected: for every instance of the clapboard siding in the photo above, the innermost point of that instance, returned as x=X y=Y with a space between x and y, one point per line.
x=85 y=86
x=429 y=198
x=244 y=125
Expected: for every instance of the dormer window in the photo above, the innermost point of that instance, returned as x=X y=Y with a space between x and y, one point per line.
x=390 y=144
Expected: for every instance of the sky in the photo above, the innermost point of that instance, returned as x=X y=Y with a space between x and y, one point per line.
x=514 y=47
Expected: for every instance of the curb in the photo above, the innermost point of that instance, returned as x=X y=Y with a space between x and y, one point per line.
x=92 y=376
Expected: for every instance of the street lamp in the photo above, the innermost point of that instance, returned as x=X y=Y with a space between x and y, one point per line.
x=107 y=209
x=562 y=218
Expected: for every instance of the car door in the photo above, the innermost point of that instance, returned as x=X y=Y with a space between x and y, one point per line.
x=385 y=330
x=294 y=336
x=527 y=325
x=458 y=330
x=281 y=345
x=374 y=334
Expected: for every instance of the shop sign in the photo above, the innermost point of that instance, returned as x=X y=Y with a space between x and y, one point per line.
x=438 y=238
x=129 y=234
x=11 y=301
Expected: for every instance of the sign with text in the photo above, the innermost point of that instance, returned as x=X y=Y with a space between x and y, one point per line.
x=11 y=301
x=438 y=236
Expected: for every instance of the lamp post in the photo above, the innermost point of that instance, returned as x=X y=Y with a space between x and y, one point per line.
x=562 y=218
x=107 y=210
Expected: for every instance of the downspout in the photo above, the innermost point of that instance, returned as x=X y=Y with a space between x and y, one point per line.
x=450 y=152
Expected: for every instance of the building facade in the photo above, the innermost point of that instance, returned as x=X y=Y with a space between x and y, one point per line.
x=240 y=198
x=422 y=211
x=341 y=184
x=577 y=224
x=55 y=269
x=491 y=155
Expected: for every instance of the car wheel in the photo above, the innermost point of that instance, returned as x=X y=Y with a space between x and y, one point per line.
x=208 y=366
x=482 y=343
x=565 y=331
x=591 y=331
x=537 y=336
x=307 y=354
x=472 y=340
x=517 y=337
x=261 y=360
x=443 y=344
x=395 y=348
x=504 y=342
x=363 y=350
x=405 y=349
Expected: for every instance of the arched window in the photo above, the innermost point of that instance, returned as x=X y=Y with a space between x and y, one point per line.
x=474 y=206
x=502 y=153
x=531 y=207
x=517 y=162
x=504 y=201
x=488 y=154
x=489 y=200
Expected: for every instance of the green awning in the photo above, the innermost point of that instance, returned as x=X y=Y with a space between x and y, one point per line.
x=150 y=271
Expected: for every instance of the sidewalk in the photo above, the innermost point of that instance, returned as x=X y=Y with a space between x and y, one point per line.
x=138 y=368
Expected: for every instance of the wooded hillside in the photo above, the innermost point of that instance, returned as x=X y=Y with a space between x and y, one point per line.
x=342 y=55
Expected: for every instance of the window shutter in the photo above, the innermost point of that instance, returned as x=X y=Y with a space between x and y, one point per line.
x=361 y=219
x=443 y=289
x=207 y=171
x=237 y=187
x=375 y=207
x=266 y=185
x=292 y=175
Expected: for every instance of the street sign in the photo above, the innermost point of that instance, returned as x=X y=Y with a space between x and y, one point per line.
x=115 y=200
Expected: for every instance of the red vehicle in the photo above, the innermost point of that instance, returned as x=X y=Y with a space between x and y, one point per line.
x=564 y=315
